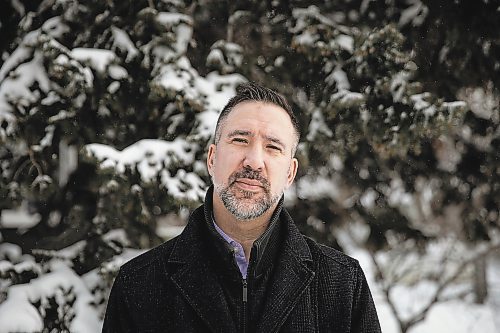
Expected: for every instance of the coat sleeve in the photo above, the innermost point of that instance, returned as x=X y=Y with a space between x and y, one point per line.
x=117 y=318
x=364 y=316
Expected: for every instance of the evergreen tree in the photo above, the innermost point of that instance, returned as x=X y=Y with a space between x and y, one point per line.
x=106 y=110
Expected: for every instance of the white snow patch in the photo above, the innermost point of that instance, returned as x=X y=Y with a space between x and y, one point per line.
x=147 y=152
x=17 y=314
x=345 y=42
x=305 y=38
x=98 y=59
x=415 y=14
x=182 y=26
x=121 y=41
x=399 y=84
x=150 y=156
x=169 y=231
x=226 y=56
x=314 y=187
x=172 y=19
x=51 y=98
x=215 y=57
x=19 y=218
x=16 y=87
x=318 y=126
x=457 y=316
x=119 y=235
x=346 y=99
x=178 y=77
x=368 y=198
x=339 y=77
x=419 y=101
x=214 y=90
x=10 y=251
x=117 y=72
x=113 y=87
x=23 y=52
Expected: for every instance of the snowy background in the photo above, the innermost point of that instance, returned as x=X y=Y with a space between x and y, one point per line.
x=106 y=110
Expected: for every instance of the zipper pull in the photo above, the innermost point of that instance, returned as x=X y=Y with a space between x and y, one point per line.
x=245 y=291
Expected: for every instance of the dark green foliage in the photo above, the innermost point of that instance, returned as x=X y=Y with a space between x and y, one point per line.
x=377 y=87
x=360 y=73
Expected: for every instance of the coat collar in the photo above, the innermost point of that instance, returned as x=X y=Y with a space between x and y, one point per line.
x=199 y=285
x=292 y=275
x=196 y=280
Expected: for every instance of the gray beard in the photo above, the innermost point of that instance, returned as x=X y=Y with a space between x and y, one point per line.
x=241 y=208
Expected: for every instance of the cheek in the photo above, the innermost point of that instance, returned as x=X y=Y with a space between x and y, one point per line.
x=280 y=175
x=223 y=166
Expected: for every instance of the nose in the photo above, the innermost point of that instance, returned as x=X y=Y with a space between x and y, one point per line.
x=254 y=158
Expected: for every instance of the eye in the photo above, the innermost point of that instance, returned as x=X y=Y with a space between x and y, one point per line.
x=239 y=140
x=273 y=147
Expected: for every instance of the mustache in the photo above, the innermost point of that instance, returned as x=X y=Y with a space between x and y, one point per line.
x=250 y=174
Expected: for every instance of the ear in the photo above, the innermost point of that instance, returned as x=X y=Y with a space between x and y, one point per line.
x=211 y=158
x=292 y=172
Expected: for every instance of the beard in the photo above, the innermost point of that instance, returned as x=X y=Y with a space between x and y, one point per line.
x=242 y=204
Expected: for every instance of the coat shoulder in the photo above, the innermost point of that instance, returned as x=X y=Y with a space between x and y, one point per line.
x=149 y=259
x=331 y=256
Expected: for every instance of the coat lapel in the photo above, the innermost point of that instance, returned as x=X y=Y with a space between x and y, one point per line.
x=291 y=278
x=197 y=282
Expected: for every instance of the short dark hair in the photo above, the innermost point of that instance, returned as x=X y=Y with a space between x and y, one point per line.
x=252 y=91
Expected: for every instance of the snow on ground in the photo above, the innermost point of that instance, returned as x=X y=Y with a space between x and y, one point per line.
x=493 y=277
x=455 y=316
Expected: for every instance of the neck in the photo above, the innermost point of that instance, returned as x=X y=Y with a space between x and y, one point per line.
x=244 y=232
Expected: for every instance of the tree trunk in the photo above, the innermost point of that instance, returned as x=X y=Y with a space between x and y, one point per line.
x=480 y=283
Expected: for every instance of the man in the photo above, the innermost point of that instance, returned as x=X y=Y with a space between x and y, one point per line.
x=241 y=265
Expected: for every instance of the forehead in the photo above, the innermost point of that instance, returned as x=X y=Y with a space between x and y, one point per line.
x=259 y=117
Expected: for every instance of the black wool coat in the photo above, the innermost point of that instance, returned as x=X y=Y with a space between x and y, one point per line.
x=173 y=288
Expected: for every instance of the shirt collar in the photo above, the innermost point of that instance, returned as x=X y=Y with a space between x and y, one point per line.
x=259 y=246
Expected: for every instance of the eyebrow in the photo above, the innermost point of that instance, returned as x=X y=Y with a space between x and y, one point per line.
x=270 y=138
x=239 y=132
x=275 y=140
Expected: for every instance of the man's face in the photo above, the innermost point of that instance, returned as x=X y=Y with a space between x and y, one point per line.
x=252 y=163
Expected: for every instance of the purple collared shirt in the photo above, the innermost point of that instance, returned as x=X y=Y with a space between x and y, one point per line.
x=239 y=254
